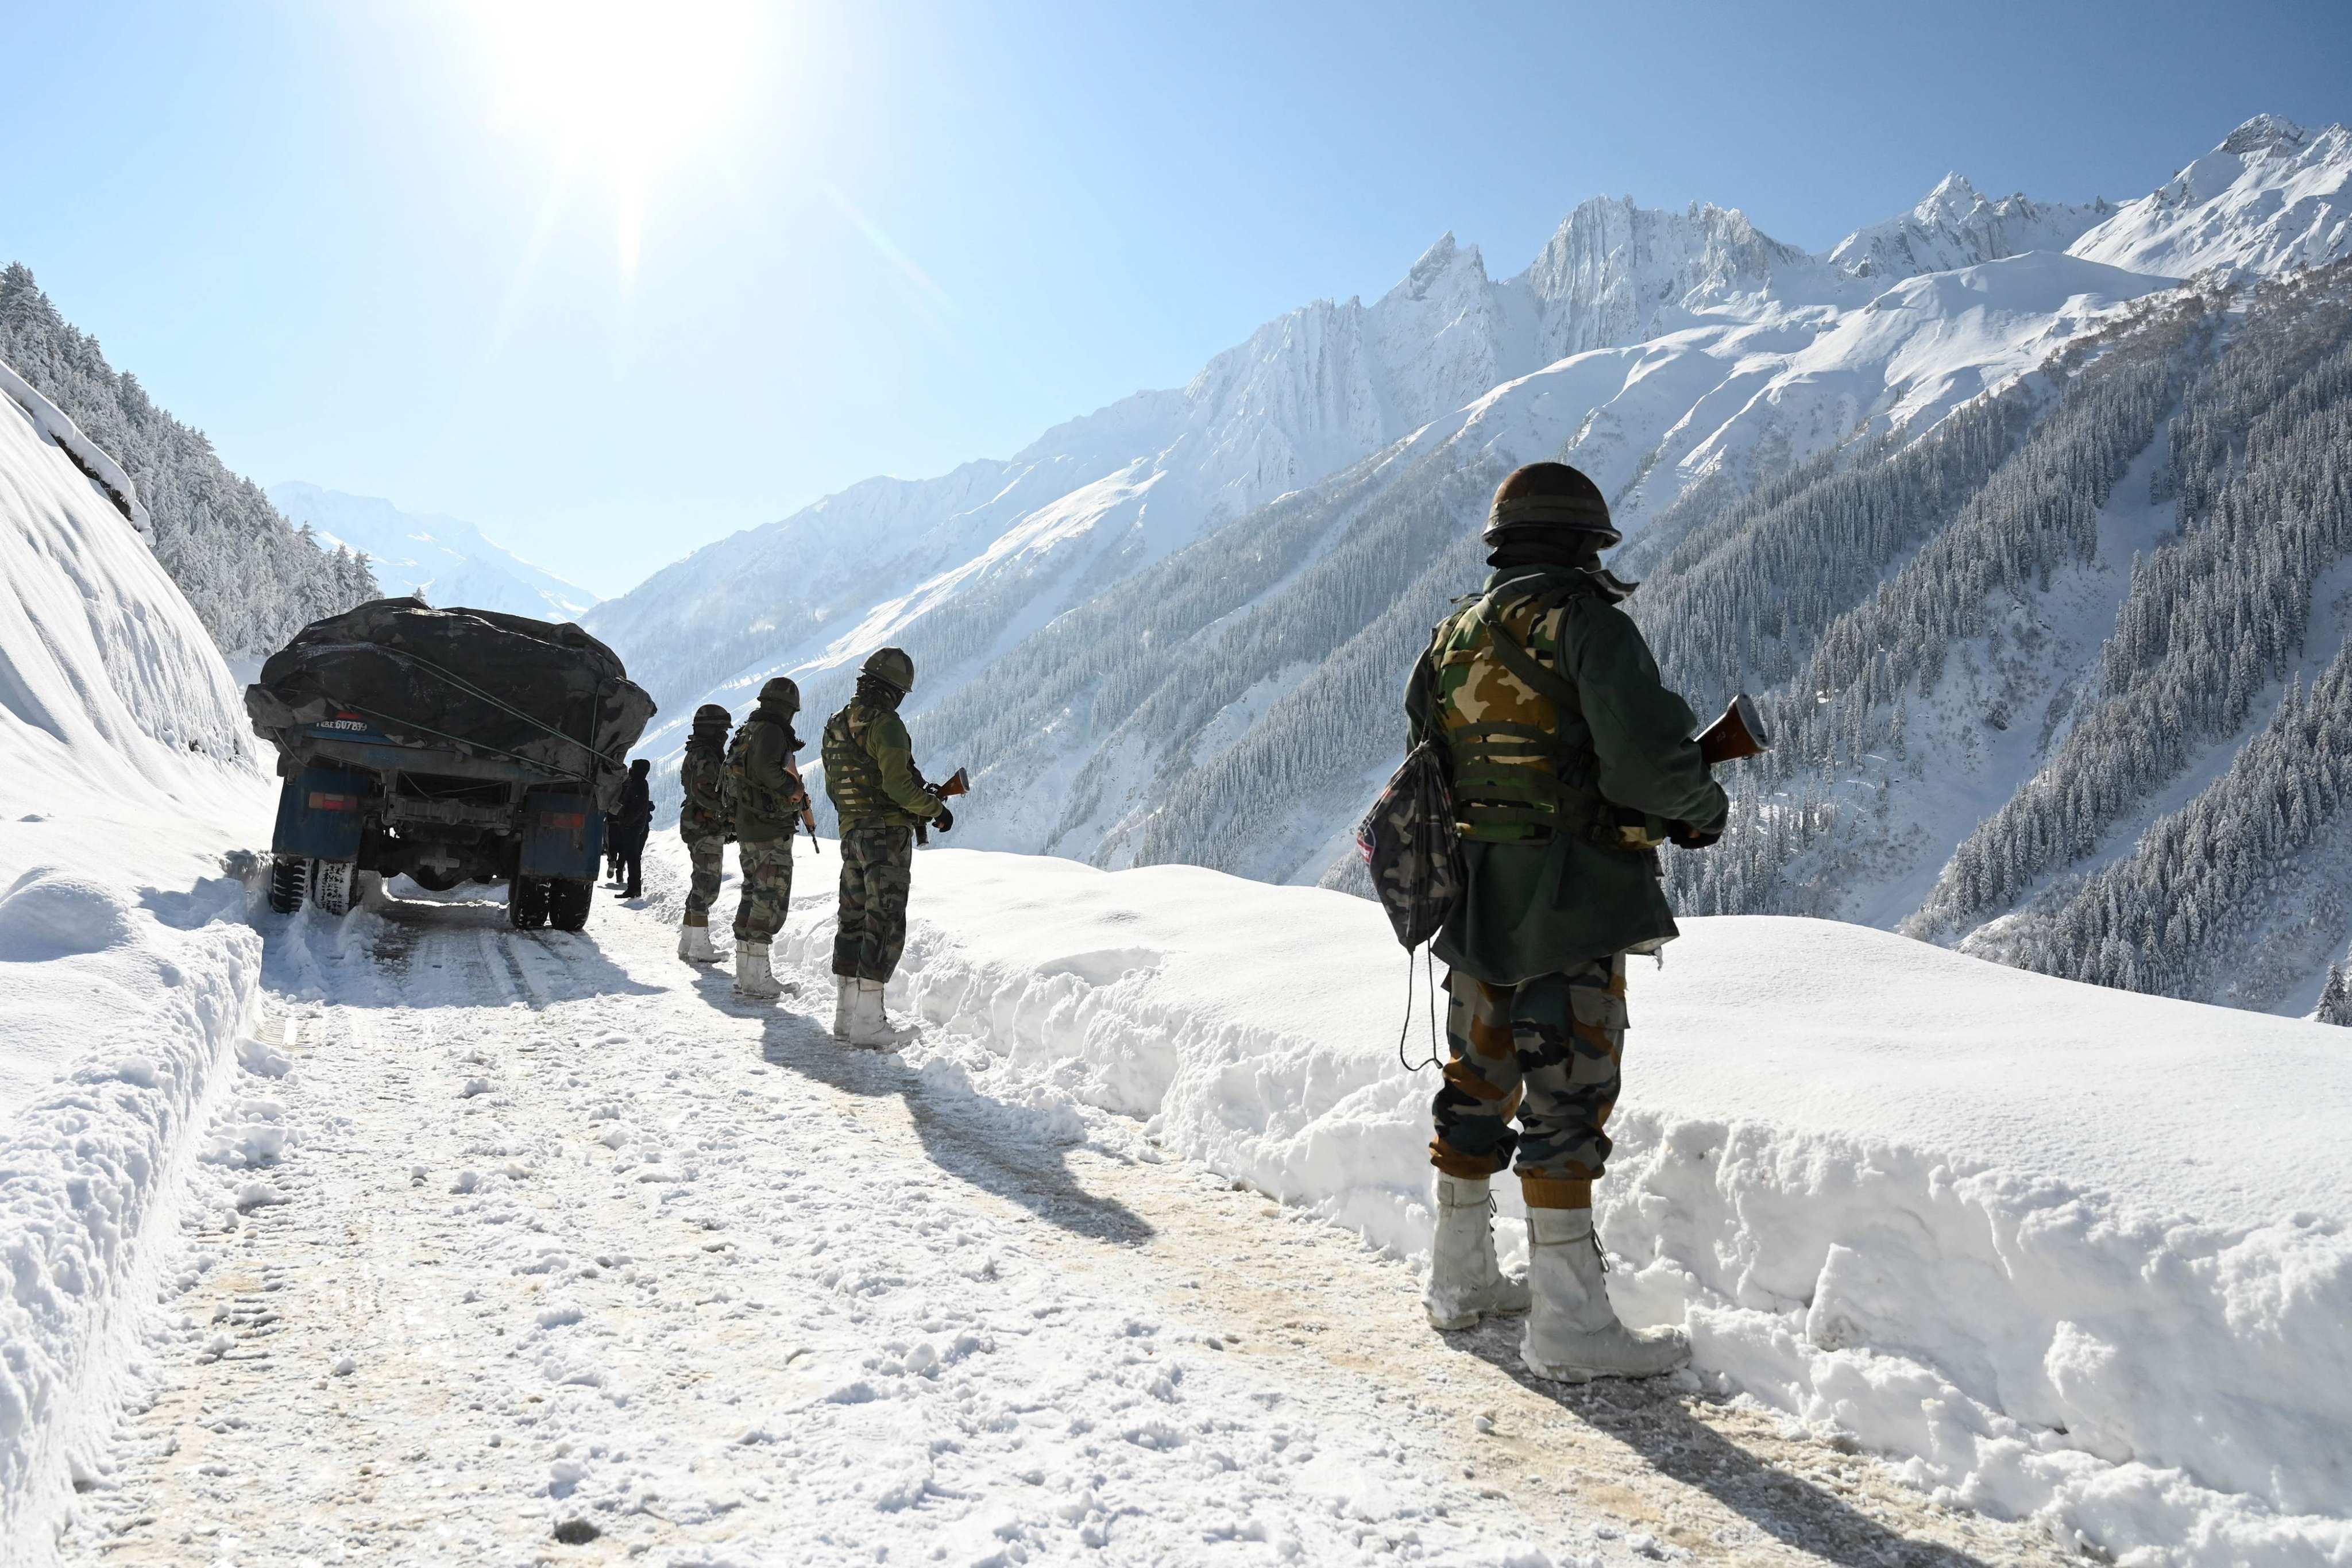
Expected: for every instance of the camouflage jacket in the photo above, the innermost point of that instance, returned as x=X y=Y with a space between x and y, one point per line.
x=768 y=790
x=702 y=777
x=869 y=770
x=1542 y=787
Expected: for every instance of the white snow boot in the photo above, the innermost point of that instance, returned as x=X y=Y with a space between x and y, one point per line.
x=869 y=1025
x=751 y=977
x=694 y=942
x=1464 y=1283
x=845 y=1006
x=1573 y=1334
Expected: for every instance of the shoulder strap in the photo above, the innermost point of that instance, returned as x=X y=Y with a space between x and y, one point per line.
x=1546 y=683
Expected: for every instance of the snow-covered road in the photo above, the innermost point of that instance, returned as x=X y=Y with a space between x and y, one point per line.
x=544 y=1248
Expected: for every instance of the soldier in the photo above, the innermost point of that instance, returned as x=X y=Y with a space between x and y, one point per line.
x=870 y=772
x=1571 y=764
x=636 y=820
x=768 y=800
x=705 y=821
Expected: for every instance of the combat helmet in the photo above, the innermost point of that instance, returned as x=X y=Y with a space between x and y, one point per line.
x=892 y=668
x=1543 y=500
x=710 y=716
x=782 y=691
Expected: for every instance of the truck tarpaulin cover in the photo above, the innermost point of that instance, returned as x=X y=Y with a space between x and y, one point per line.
x=547 y=699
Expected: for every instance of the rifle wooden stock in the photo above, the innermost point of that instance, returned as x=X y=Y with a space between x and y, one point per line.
x=958 y=785
x=1741 y=733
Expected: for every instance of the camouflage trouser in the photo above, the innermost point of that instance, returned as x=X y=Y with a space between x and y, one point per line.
x=1548 y=1049
x=767 y=888
x=709 y=857
x=876 y=866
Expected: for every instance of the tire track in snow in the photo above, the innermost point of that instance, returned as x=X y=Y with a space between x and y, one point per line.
x=573 y=1237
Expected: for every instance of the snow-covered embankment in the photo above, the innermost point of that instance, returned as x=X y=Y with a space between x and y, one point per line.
x=2051 y=1249
x=127 y=972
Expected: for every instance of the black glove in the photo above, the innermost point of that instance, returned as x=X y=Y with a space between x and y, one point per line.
x=1690 y=837
x=944 y=821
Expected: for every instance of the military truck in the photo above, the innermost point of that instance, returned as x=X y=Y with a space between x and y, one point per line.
x=448 y=746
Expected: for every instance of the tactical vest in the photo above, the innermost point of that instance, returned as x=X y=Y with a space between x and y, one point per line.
x=742 y=791
x=1524 y=767
x=709 y=811
x=852 y=777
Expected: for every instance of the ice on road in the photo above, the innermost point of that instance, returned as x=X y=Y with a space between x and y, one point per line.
x=515 y=1248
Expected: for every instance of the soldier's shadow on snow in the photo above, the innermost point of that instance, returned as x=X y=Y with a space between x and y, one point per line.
x=978 y=1139
x=1655 y=1423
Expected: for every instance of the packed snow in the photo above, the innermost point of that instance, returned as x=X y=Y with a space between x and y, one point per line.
x=1964 y=1215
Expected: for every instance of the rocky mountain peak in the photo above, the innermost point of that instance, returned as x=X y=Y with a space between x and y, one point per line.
x=2264 y=133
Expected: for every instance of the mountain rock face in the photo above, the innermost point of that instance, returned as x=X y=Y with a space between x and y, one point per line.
x=443 y=560
x=1176 y=629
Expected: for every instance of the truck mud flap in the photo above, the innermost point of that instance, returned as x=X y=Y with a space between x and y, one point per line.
x=562 y=835
x=322 y=814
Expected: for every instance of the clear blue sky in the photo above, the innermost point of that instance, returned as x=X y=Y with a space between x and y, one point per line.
x=382 y=247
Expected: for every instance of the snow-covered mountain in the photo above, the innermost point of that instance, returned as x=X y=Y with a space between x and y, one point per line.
x=1175 y=630
x=444 y=560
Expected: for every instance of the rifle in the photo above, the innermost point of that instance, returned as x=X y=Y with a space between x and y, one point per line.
x=1741 y=733
x=808 y=812
x=959 y=782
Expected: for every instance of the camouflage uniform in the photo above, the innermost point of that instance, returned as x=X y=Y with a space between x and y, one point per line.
x=767 y=888
x=703 y=820
x=768 y=801
x=869 y=772
x=1570 y=763
x=1548 y=1048
x=877 y=864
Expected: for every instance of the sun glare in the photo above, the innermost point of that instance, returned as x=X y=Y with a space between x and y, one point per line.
x=624 y=92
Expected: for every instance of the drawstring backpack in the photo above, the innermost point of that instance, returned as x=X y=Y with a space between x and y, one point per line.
x=1412 y=848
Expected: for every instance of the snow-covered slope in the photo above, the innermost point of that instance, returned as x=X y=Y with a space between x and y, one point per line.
x=2271 y=197
x=444 y=560
x=1136 y=679
x=1961 y=1214
x=129 y=769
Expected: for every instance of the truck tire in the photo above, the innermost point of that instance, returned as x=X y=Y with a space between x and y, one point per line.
x=567 y=903
x=527 y=903
x=289 y=878
x=335 y=886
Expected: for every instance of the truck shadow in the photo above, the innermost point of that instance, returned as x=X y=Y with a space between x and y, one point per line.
x=980 y=1140
x=1656 y=1424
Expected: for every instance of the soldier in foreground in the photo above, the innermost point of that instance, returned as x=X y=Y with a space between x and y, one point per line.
x=705 y=820
x=1571 y=764
x=768 y=800
x=882 y=800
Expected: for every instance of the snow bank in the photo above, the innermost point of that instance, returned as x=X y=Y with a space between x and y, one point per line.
x=2054 y=1250
x=126 y=968
x=147 y=1015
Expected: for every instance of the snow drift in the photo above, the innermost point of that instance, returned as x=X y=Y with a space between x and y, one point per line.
x=2051 y=1249
x=126 y=971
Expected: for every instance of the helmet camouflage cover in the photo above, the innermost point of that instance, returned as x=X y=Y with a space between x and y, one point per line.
x=892 y=667
x=1545 y=500
x=781 y=691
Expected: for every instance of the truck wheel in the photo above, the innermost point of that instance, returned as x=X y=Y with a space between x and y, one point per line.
x=335 y=884
x=567 y=904
x=289 y=878
x=527 y=903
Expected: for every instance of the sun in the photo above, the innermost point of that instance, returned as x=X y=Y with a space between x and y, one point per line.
x=624 y=92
